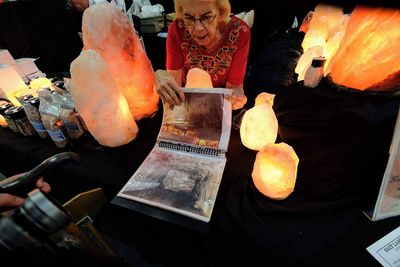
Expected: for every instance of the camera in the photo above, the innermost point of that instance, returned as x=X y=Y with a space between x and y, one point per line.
x=42 y=228
x=36 y=227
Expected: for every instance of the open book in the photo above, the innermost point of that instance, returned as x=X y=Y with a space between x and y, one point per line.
x=183 y=171
x=388 y=202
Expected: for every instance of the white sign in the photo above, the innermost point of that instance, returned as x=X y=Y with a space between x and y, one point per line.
x=387 y=249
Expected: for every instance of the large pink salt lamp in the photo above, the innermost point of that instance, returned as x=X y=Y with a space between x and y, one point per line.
x=369 y=54
x=259 y=125
x=99 y=101
x=108 y=31
x=275 y=170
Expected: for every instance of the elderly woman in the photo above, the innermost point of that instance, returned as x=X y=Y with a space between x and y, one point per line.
x=205 y=36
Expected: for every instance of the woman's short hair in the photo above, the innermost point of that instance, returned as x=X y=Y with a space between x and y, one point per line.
x=223 y=5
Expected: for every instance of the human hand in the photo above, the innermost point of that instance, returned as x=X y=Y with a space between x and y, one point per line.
x=167 y=88
x=12 y=201
x=238 y=100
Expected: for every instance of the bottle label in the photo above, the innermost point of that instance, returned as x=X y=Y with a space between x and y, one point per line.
x=56 y=135
x=38 y=126
x=71 y=126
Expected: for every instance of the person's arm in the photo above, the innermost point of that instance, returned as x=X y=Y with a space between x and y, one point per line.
x=238 y=68
x=238 y=98
x=169 y=82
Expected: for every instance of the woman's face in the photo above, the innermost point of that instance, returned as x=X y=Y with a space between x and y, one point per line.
x=201 y=18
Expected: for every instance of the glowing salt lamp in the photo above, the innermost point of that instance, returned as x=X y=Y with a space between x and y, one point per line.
x=327 y=18
x=325 y=23
x=39 y=83
x=275 y=170
x=108 y=31
x=11 y=84
x=369 y=52
x=198 y=78
x=259 y=125
x=99 y=101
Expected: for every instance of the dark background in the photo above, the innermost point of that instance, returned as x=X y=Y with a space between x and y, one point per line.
x=47 y=29
x=247 y=229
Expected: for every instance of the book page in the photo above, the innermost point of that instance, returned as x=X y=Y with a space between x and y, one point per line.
x=177 y=181
x=183 y=171
x=204 y=119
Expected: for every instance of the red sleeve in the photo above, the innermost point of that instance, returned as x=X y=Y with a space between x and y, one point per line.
x=239 y=60
x=174 y=52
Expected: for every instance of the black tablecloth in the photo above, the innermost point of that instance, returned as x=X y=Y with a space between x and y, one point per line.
x=245 y=228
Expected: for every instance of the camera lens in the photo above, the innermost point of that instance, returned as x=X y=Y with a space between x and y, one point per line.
x=28 y=228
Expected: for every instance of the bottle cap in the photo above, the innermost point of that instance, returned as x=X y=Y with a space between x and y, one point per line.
x=34 y=101
x=318 y=62
x=4 y=107
x=15 y=112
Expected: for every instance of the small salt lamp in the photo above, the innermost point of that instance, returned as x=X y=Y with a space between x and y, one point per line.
x=259 y=125
x=275 y=170
x=198 y=78
x=39 y=83
x=11 y=84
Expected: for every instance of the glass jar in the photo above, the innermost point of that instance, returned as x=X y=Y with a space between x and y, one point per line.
x=33 y=115
x=8 y=116
x=3 y=108
x=25 y=98
x=21 y=121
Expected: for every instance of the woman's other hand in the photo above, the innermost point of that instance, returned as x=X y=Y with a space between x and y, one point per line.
x=168 y=89
x=238 y=98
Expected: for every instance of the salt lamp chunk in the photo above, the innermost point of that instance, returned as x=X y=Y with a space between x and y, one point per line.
x=106 y=29
x=259 y=125
x=198 y=78
x=39 y=83
x=275 y=170
x=99 y=101
x=369 y=51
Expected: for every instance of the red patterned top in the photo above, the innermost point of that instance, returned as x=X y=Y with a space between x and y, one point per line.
x=226 y=62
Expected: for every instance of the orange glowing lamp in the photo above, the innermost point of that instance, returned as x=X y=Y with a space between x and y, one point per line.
x=198 y=78
x=11 y=84
x=369 y=52
x=259 y=125
x=275 y=170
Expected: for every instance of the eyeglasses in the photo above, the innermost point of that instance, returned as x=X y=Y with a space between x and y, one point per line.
x=204 y=20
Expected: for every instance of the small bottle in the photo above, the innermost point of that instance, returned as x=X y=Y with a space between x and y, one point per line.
x=32 y=112
x=8 y=116
x=3 y=109
x=21 y=121
x=315 y=72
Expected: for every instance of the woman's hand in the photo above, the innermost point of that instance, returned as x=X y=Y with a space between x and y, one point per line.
x=168 y=89
x=12 y=201
x=238 y=99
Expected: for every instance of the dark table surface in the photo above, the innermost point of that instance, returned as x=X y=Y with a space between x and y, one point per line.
x=246 y=228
